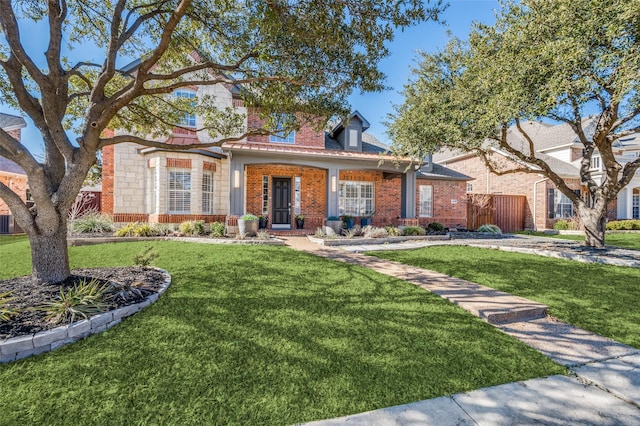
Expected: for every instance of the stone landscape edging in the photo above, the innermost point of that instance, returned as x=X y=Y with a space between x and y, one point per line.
x=21 y=347
x=78 y=241
x=369 y=241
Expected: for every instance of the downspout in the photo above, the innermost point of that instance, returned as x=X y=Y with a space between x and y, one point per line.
x=535 y=201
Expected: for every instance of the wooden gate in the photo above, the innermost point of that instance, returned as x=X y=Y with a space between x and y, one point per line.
x=505 y=211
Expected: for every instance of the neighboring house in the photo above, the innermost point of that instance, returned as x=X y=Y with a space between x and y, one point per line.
x=11 y=175
x=559 y=146
x=309 y=172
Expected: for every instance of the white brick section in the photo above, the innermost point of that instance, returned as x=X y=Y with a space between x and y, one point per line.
x=21 y=347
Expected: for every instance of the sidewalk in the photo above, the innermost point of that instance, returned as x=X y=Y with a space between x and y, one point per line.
x=603 y=388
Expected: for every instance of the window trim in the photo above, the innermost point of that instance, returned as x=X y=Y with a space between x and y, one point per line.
x=429 y=212
x=359 y=207
x=209 y=192
x=279 y=136
x=187 y=191
x=188 y=120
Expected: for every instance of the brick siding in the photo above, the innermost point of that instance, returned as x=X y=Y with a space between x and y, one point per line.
x=306 y=136
x=15 y=182
x=108 y=170
x=449 y=203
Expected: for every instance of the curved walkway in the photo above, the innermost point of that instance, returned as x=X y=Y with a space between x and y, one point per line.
x=603 y=387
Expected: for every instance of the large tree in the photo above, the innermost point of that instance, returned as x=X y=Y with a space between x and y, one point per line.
x=288 y=56
x=543 y=60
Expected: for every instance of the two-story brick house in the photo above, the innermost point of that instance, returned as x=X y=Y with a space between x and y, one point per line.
x=310 y=172
x=560 y=148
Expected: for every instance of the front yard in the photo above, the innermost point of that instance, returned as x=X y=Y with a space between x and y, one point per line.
x=257 y=335
x=600 y=298
x=630 y=240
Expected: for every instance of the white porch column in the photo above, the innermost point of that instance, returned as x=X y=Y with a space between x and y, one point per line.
x=629 y=199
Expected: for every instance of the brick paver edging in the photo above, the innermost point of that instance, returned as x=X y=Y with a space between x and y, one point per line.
x=20 y=347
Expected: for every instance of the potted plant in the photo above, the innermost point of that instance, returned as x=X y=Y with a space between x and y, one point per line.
x=262 y=221
x=334 y=223
x=300 y=221
x=349 y=221
x=248 y=225
x=365 y=220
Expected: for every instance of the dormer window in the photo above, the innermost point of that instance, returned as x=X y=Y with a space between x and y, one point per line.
x=188 y=120
x=280 y=136
x=595 y=163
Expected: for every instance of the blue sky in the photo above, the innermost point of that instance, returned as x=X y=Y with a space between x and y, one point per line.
x=428 y=37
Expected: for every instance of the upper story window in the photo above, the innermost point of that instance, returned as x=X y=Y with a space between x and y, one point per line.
x=280 y=136
x=595 y=163
x=188 y=120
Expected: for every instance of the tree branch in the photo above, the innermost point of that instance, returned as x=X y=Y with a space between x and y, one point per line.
x=164 y=145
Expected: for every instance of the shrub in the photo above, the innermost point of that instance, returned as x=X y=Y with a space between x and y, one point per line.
x=320 y=233
x=217 y=229
x=624 y=225
x=492 y=229
x=563 y=225
x=413 y=231
x=249 y=216
x=350 y=233
x=146 y=257
x=6 y=312
x=375 y=232
x=192 y=227
x=263 y=235
x=392 y=231
x=92 y=222
x=127 y=230
x=127 y=291
x=162 y=229
x=144 y=230
x=435 y=227
x=83 y=299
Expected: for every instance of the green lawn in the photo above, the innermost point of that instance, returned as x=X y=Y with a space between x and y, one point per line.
x=600 y=298
x=626 y=240
x=258 y=335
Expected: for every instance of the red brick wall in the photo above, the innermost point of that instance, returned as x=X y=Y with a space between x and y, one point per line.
x=306 y=136
x=313 y=194
x=108 y=169
x=449 y=202
x=18 y=184
x=511 y=184
x=388 y=195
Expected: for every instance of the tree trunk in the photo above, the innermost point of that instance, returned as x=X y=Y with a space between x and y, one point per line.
x=595 y=225
x=49 y=253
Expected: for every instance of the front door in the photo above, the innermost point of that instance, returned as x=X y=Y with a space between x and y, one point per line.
x=281 y=201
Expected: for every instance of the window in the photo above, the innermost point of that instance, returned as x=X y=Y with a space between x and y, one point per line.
x=563 y=206
x=355 y=198
x=469 y=187
x=153 y=190
x=179 y=186
x=297 y=188
x=595 y=163
x=188 y=120
x=635 y=207
x=280 y=136
x=426 y=201
x=207 y=193
x=265 y=194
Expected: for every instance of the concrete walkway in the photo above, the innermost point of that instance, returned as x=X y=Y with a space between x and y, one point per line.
x=602 y=389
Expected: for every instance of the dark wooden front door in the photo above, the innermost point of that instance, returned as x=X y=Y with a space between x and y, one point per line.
x=281 y=201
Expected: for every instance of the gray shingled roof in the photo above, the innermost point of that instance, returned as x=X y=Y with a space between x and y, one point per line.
x=10 y=167
x=370 y=144
x=441 y=172
x=8 y=121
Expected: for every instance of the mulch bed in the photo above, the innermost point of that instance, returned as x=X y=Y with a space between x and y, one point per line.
x=27 y=295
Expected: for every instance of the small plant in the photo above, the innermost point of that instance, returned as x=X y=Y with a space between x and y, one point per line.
x=263 y=235
x=144 y=230
x=162 y=229
x=92 y=223
x=127 y=230
x=127 y=291
x=6 y=312
x=241 y=236
x=413 y=231
x=392 y=231
x=249 y=216
x=217 y=229
x=300 y=217
x=375 y=232
x=320 y=233
x=83 y=299
x=146 y=257
x=435 y=227
x=492 y=229
x=566 y=225
x=350 y=233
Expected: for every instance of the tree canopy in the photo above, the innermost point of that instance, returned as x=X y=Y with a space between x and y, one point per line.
x=557 y=61
x=287 y=56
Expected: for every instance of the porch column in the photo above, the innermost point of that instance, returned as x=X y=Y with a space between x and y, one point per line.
x=408 y=199
x=629 y=197
x=333 y=184
x=236 y=188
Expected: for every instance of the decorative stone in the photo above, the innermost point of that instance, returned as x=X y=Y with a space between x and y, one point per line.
x=78 y=330
x=49 y=336
x=17 y=344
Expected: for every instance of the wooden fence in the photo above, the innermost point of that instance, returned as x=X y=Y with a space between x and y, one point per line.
x=505 y=211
